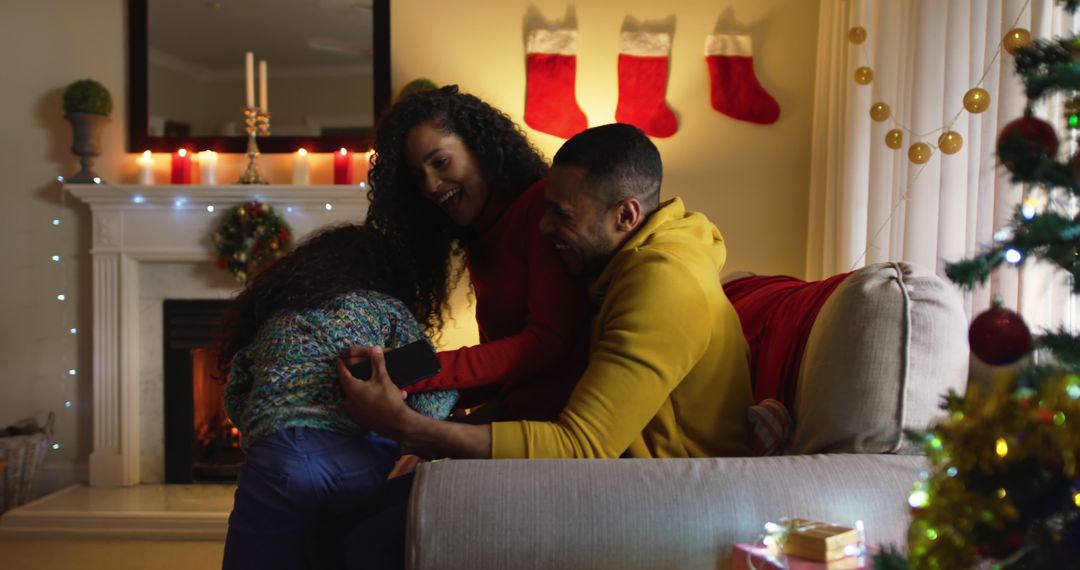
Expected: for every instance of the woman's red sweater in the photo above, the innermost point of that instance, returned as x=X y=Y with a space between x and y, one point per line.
x=532 y=315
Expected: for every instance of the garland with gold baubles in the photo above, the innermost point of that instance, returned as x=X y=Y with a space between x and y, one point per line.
x=976 y=100
x=251 y=236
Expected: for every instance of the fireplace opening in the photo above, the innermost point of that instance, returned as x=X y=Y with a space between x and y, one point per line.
x=201 y=444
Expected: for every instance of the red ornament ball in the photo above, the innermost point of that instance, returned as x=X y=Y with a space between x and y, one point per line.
x=1025 y=141
x=999 y=336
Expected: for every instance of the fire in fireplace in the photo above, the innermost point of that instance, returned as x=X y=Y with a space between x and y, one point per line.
x=201 y=444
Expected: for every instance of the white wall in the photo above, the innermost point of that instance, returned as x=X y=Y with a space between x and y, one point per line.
x=43 y=47
x=750 y=180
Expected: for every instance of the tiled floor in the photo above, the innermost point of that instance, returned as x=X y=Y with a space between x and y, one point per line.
x=161 y=512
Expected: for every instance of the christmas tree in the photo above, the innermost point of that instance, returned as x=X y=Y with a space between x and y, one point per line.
x=1003 y=489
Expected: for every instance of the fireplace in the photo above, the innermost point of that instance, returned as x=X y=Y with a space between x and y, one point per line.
x=201 y=444
x=152 y=244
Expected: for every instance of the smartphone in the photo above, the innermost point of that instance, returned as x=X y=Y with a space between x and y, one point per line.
x=406 y=365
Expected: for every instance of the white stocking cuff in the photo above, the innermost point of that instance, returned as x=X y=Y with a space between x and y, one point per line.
x=717 y=44
x=645 y=43
x=559 y=42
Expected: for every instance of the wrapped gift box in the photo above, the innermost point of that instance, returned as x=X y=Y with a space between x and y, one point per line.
x=819 y=541
x=749 y=557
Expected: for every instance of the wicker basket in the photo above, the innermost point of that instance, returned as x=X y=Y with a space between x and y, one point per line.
x=24 y=455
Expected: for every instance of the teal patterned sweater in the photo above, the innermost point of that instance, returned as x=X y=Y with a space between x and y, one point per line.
x=287 y=376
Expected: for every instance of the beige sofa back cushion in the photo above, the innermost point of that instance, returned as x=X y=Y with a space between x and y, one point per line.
x=889 y=342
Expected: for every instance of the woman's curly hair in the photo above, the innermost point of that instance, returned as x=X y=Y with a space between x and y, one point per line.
x=416 y=227
x=333 y=262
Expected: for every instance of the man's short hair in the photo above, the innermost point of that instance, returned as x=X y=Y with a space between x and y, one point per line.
x=619 y=160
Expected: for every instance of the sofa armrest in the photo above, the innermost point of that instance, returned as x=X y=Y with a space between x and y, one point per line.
x=641 y=513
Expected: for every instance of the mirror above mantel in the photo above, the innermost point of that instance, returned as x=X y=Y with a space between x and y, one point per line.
x=328 y=72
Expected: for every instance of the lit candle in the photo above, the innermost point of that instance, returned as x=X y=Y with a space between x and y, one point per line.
x=249 y=68
x=181 y=167
x=208 y=167
x=264 y=104
x=146 y=168
x=300 y=168
x=343 y=160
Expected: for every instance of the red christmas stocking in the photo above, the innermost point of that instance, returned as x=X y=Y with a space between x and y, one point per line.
x=735 y=89
x=551 y=68
x=643 y=75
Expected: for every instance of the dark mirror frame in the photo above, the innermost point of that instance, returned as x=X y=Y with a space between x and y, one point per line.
x=138 y=104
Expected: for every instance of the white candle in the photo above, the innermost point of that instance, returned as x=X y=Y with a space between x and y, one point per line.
x=264 y=104
x=249 y=68
x=146 y=168
x=208 y=167
x=300 y=168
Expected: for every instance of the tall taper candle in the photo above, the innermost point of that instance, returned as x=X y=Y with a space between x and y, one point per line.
x=249 y=68
x=264 y=104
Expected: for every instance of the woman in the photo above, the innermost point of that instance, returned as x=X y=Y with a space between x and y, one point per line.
x=306 y=461
x=452 y=175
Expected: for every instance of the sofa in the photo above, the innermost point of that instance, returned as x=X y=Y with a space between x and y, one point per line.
x=887 y=342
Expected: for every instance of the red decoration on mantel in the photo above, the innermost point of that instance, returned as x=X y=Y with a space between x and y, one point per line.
x=343 y=167
x=181 y=167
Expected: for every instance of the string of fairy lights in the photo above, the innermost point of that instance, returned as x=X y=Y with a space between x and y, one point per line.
x=976 y=100
x=63 y=296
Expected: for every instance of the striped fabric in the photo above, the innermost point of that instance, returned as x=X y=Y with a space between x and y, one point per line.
x=770 y=427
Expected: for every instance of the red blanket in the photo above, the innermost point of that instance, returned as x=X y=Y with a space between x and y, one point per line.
x=777 y=313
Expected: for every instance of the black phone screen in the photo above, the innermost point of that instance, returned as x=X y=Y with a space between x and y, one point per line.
x=406 y=365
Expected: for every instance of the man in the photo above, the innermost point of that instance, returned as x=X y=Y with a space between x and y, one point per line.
x=668 y=374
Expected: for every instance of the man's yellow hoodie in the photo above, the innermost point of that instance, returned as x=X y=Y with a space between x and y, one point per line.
x=668 y=373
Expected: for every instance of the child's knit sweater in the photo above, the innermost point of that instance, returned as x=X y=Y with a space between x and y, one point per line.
x=287 y=377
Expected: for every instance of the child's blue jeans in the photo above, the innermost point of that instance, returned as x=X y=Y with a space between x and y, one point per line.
x=293 y=479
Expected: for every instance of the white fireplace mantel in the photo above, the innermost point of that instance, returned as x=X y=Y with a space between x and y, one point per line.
x=135 y=224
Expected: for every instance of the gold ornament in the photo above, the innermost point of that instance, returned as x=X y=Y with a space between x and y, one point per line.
x=919 y=153
x=864 y=75
x=894 y=139
x=976 y=100
x=950 y=142
x=1015 y=39
x=880 y=111
x=241 y=212
x=857 y=35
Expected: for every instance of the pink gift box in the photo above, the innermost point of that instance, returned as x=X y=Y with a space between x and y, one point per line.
x=747 y=557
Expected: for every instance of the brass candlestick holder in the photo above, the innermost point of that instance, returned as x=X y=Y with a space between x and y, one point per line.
x=255 y=123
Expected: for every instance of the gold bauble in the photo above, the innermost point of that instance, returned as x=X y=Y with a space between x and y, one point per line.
x=894 y=139
x=241 y=212
x=976 y=100
x=919 y=153
x=1015 y=39
x=864 y=75
x=880 y=111
x=950 y=142
x=857 y=35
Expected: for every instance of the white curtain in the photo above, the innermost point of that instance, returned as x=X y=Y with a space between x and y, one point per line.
x=869 y=203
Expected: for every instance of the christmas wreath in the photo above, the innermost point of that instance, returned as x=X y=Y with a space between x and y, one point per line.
x=251 y=236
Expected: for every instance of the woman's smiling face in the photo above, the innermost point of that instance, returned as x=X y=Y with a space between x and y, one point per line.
x=446 y=172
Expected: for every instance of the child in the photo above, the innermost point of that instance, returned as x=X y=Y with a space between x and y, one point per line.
x=306 y=461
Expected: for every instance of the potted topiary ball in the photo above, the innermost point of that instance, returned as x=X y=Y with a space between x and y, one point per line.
x=87 y=105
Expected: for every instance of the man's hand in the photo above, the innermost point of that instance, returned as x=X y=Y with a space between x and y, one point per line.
x=376 y=404
x=379 y=405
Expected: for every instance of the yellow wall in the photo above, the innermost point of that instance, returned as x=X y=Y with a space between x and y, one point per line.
x=751 y=180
